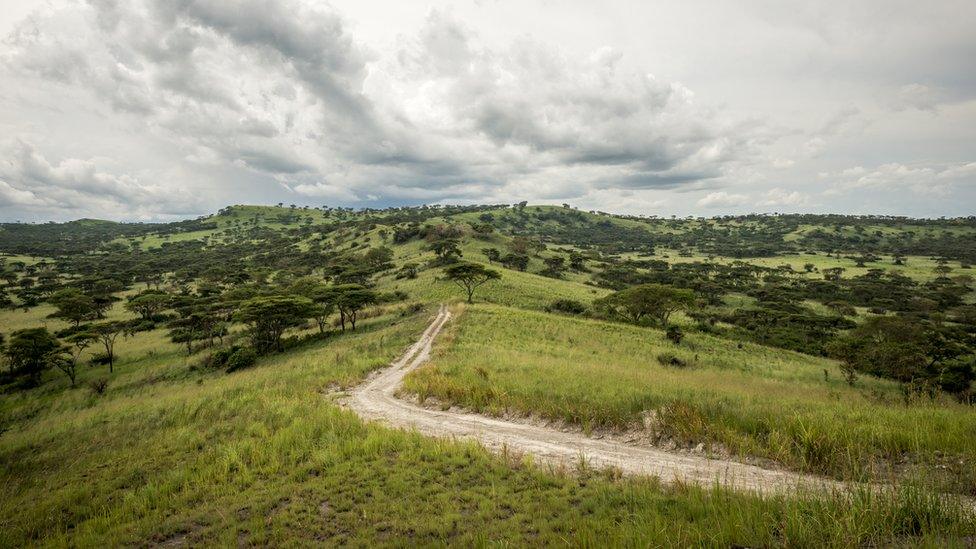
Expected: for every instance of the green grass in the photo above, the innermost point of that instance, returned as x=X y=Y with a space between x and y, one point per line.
x=515 y=288
x=260 y=457
x=752 y=400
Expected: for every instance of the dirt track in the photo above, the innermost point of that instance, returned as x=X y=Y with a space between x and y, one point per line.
x=375 y=400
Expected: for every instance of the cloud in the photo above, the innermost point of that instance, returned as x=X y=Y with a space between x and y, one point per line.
x=783 y=197
x=267 y=101
x=917 y=96
x=282 y=89
x=920 y=179
x=30 y=182
x=722 y=199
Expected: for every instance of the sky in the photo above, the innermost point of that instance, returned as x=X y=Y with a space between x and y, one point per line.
x=154 y=110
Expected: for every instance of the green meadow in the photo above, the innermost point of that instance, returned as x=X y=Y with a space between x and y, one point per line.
x=175 y=455
x=743 y=398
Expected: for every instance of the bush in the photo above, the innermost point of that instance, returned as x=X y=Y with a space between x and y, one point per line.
x=567 y=306
x=219 y=357
x=242 y=358
x=411 y=309
x=98 y=386
x=675 y=334
x=842 y=308
x=99 y=359
x=143 y=325
x=670 y=359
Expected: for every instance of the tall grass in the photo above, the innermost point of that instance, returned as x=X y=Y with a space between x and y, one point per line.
x=176 y=455
x=752 y=400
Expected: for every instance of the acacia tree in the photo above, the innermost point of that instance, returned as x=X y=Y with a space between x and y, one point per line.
x=198 y=325
x=29 y=351
x=270 y=316
x=655 y=301
x=67 y=357
x=447 y=249
x=469 y=276
x=554 y=266
x=107 y=333
x=148 y=304
x=321 y=294
x=73 y=305
x=492 y=254
x=350 y=300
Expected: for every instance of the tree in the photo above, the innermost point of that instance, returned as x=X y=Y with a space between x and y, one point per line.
x=577 y=261
x=101 y=292
x=107 y=333
x=407 y=270
x=492 y=254
x=520 y=245
x=73 y=305
x=320 y=294
x=29 y=352
x=832 y=273
x=469 y=276
x=270 y=316
x=447 y=249
x=656 y=301
x=67 y=357
x=198 y=325
x=516 y=261
x=148 y=304
x=554 y=266
x=910 y=351
x=378 y=258
x=350 y=299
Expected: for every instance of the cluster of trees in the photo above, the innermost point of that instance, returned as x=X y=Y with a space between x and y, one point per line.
x=923 y=355
x=32 y=351
x=654 y=302
x=273 y=270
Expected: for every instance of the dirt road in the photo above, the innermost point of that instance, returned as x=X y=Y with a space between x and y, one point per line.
x=375 y=400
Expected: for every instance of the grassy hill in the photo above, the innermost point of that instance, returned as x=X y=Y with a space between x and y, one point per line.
x=742 y=398
x=175 y=449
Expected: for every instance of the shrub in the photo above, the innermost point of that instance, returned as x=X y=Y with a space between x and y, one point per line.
x=219 y=357
x=842 y=308
x=242 y=358
x=411 y=309
x=98 y=386
x=567 y=306
x=675 y=334
x=99 y=359
x=850 y=373
x=670 y=359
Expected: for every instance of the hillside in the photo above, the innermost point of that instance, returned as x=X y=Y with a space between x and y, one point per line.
x=186 y=393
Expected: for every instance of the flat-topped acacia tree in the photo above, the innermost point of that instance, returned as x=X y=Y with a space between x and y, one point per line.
x=270 y=316
x=469 y=276
x=656 y=301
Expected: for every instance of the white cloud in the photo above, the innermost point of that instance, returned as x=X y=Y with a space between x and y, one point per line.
x=783 y=197
x=917 y=96
x=921 y=179
x=722 y=199
x=79 y=186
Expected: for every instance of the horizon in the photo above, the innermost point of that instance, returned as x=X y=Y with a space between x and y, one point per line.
x=664 y=217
